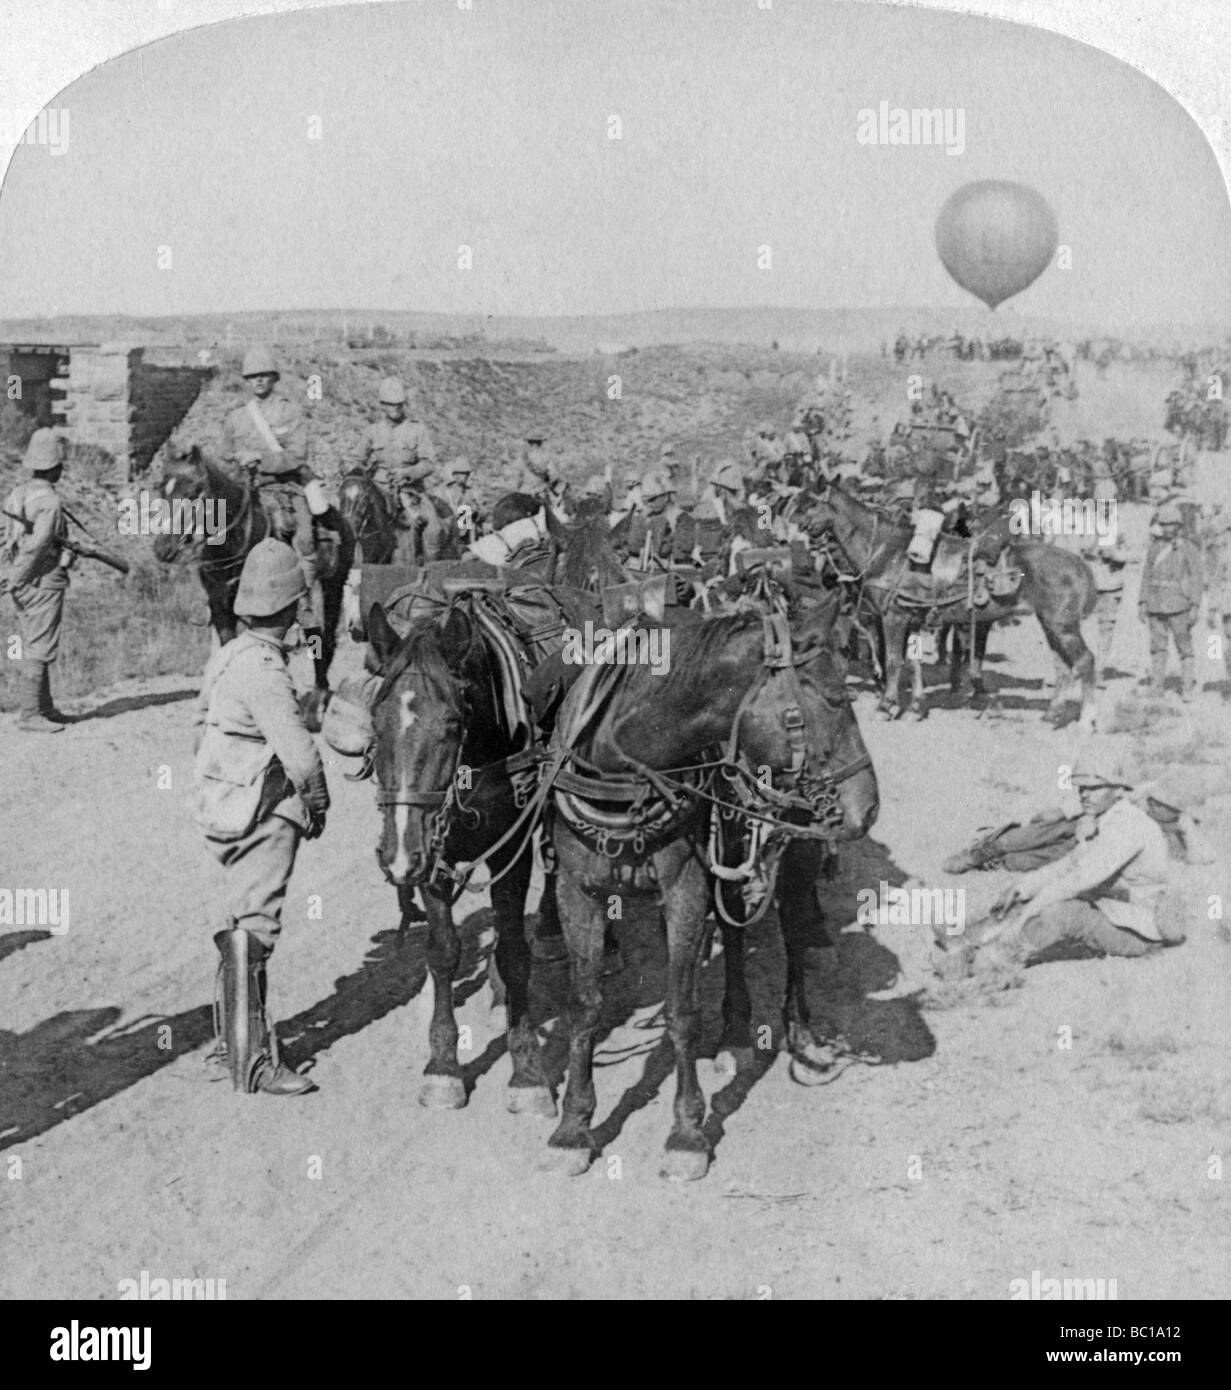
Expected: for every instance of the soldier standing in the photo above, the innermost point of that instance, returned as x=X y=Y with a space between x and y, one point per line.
x=1107 y=563
x=269 y=437
x=1171 y=586
x=399 y=456
x=260 y=789
x=1217 y=570
x=38 y=577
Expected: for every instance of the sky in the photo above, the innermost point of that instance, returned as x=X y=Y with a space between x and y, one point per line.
x=192 y=182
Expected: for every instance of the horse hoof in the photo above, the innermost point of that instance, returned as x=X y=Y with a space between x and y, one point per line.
x=729 y=1060
x=917 y=716
x=684 y=1165
x=568 y=1163
x=442 y=1093
x=805 y=1072
x=531 y=1100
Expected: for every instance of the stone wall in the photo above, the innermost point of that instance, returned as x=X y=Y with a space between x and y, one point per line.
x=115 y=400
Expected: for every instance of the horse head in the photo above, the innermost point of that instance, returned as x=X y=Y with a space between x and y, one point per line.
x=185 y=480
x=424 y=713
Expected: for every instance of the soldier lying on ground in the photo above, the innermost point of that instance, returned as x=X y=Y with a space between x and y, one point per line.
x=1105 y=896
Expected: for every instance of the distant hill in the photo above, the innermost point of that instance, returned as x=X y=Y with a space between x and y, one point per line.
x=796 y=330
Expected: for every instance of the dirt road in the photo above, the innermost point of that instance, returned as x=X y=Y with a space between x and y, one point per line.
x=981 y=1149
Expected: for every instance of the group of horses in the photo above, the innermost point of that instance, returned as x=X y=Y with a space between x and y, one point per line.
x=724 y=783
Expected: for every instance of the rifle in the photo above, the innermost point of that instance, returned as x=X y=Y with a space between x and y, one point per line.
x=87 y=552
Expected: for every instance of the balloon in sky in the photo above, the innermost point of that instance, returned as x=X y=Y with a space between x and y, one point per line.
x=995 y=238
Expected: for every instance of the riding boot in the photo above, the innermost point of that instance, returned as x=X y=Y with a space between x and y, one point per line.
x=1188 y=679
x=312 y=609
x=31 y=719
x=243 y=1023
x=46 y=705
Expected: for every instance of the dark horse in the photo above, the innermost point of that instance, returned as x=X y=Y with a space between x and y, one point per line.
x=1055 y=584
x=189 y=476
x=380 y=540
x=637 y=758
x=795 y=889
x=456 y=766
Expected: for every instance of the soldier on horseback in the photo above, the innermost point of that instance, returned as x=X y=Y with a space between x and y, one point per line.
x=268 y=437
x=399 y=456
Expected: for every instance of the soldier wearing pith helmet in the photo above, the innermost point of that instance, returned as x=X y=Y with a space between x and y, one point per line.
x=37 y=576
x=260 y=789
x=268 y=437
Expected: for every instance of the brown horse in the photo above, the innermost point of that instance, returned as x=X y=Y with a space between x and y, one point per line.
x=1056 y=586
x=188 y=476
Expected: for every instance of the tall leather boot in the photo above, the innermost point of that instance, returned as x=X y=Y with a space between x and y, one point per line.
x=251 y=1044
x=46 y=704
x=312 y=609
x=1188 y=679
x=31 y=719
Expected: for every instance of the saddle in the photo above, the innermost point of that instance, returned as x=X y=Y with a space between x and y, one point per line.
x=326 y=530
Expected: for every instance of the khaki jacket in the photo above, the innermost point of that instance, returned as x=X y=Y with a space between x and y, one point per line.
x=36 y=553
x=242 y=442
x=398 y=455
x=254 y=756
x=1125 y=860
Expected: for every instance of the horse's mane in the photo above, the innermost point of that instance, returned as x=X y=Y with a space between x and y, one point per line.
x=695 y=648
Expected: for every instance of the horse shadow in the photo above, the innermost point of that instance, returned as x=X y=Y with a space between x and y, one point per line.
x=12 y=942
x=889 y=1031
x=77 y=1059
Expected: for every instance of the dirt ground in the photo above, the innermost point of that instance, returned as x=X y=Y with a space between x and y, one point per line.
x=1075 y=1121
x=980 y=1150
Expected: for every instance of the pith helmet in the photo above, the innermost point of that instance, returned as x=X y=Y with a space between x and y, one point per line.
x=1089 y=775
x=667 y=451
x=460 y=467
x=1169 y=515
x=655 y=484
x=259 y=361
x=535 y=437
x=392 y=391
x=595 y=486
x=272 y=579
x=43 y=451
x=766 y=427
x=727 y=474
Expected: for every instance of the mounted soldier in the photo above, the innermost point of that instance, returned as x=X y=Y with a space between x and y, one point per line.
x=459 y=494
x=37 y=577
x=537 y=475
x=268 y=439
x=651 y=533
x=1171 y=589
x=398 y=455
x=260 y=788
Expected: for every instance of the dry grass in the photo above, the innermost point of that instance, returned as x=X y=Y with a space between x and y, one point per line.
x=139 y=627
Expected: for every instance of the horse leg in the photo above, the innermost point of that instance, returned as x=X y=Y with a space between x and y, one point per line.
x=443 y=1088
x=802 y=920
x=580 y=879
x=735 y=1044
x=687 y=1155
x=895 y=645
x=528 y=1090
x=409 y=911
x=221 y=611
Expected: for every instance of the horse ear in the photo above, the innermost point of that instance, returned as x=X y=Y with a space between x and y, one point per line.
x=618 y=534
x=382 y=640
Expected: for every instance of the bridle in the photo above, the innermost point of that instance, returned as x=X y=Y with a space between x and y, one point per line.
x=182 y=540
